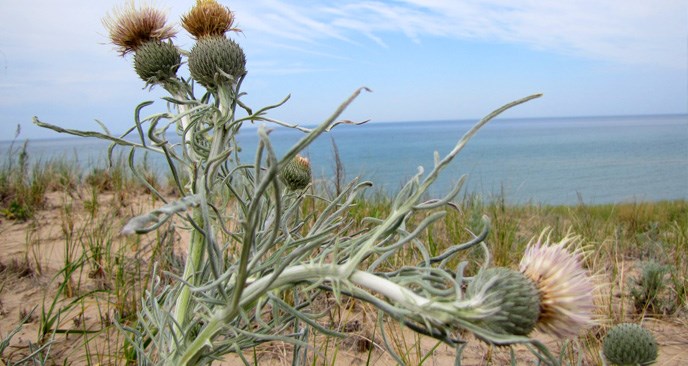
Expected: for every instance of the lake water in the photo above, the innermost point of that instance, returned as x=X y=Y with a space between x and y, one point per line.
x=545 y=160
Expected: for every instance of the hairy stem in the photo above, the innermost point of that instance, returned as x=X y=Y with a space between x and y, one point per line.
x=193 y=260
x=312 y=273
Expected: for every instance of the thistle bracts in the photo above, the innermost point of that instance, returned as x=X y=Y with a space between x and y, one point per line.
x=157 y=62
x=630 y=344
x=216 y=60
x=565 y=288
x=513 y=294
x=296 y=174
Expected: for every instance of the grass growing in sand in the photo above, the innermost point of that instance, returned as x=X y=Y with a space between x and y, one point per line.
x=68 y=258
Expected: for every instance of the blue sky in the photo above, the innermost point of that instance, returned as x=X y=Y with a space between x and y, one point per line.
x=424 y=60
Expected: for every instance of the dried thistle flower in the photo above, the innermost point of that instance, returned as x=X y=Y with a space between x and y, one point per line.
x=207 y=19
x=566 y=300
x=513 y=294
x=130 y=27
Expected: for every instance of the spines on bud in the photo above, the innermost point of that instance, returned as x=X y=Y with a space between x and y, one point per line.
x=296 y=174
x=157 y=62
x=629 y=344
x=513 y=294
x=216 y=59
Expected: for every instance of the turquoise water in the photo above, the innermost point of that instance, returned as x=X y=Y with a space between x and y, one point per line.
x=546 y=160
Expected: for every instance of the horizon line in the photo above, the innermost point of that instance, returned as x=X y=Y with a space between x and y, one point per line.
x=254 y=125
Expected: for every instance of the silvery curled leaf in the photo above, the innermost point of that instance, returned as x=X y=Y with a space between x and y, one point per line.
x=148 y=222
x=138 y=224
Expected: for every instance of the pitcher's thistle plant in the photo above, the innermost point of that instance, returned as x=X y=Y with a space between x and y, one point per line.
x=257 y=261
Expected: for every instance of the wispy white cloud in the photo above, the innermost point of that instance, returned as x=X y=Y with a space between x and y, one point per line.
x=291 y=21
x=632 y=32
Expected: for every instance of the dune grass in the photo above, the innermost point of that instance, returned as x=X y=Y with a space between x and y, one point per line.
x=638 y=250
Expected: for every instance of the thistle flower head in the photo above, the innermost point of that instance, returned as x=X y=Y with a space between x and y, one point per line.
x=566 y=300
x=214 y=60
x=629 y=344
x=207 y=19
x=297 y=173
x=157 y=62
x=130 y=27
x=513 y=294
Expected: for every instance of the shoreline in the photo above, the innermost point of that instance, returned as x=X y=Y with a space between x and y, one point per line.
x=549 y=162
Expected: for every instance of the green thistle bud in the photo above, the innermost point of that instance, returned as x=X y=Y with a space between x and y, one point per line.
x=210 y=55
x=297 y=173
x=156 y=62
x=514 y=294
x=630 y=344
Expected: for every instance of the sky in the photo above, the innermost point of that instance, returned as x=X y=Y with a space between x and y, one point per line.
x=422 y=59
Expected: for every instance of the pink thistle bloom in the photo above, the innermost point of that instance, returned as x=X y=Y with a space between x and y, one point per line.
x=566 y=289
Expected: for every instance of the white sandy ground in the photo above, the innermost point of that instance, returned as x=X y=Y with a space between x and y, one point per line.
x=45 y=245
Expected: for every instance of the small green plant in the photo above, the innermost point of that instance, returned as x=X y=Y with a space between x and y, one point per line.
x=649 y=289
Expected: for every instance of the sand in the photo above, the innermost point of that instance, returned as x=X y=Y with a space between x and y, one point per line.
x=33 y=253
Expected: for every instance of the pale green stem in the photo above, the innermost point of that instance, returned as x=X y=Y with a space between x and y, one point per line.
x=311 y=273
x=193 y=260
x=198 y=241
x=185 y=120
x=219 y=144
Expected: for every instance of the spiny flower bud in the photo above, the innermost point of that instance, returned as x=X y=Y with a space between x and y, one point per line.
x=213 y=58
x=296 y=174
x=130 y=28
x=566 y=290
x=630 y=344
x=157 y=62
x=515 y=296
x=207 y=19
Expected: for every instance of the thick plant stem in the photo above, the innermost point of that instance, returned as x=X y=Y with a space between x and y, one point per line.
x=205 y=183
x=312 y=273
x=219 y=146
x=293 y=275
x=193 y=261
